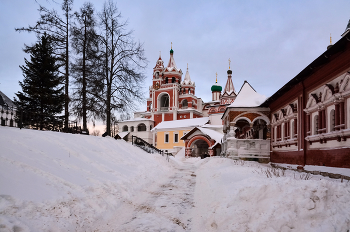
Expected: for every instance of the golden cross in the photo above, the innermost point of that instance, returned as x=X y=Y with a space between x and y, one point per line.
x=187 y=66
x=159 y=53
x=229 y=63
x=331 y=39
x=216 y=77
x=171 y=45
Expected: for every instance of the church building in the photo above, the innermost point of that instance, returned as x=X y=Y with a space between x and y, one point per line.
x=173 y=109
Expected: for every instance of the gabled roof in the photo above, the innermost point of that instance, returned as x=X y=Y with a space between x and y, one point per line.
x=212 y=134
x=5 y=101
x=193 y=122
x=121 y=135
x=248 y=97
x=347 y=29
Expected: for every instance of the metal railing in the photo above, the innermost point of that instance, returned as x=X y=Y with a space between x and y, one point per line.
x=147 y=147
x=164 y=108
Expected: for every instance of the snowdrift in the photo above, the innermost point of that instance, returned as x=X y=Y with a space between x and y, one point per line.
x=241 y=198
x=52 y=181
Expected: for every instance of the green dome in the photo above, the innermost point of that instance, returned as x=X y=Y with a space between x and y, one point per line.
x=171 y=51
x=216 y=88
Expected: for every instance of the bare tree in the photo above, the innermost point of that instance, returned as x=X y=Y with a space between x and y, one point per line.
x=57 y=27
x=84 y=69
x=122 y=63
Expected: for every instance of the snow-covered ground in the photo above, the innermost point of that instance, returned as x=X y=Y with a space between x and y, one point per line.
x=53 y=181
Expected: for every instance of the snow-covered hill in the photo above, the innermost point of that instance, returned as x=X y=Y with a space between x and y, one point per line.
x=52 y=181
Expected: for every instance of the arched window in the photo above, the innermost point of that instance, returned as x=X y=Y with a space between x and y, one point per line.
x=189 y=91
x=132 y=129
x=332 y=122
x=141 y=127
x=150 y=127
x=164 y=102
x=150 y=107
x=173 y=80
x=184 y=104
x=125 y=128
x=316 y=125
x=166 y=80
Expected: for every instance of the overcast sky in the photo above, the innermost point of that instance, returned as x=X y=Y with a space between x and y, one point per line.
x=268 y=42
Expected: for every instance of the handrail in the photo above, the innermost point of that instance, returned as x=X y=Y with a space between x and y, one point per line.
x=139 y=142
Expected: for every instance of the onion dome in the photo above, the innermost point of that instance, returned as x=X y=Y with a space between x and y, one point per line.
x=216 y=87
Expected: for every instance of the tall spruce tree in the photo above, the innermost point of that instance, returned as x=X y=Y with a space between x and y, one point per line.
x=84 y=70
x=42 y=94
x=57 y=27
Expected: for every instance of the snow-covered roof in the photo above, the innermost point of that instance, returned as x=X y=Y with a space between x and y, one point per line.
x=248 y=97
x=217 y=136
x=187 y=79
x=212 y=126
x=123 y=134
x=4 y=100
x=193 y=122
x=171 y=63
x=137 y=119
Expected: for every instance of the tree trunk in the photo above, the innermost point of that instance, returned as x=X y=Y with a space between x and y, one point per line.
x=84 y=80
x=66 y=102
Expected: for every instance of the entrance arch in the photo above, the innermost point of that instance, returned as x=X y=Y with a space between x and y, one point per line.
x=199 y=146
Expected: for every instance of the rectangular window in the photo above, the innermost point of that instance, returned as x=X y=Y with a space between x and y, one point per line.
x=166 y=138
x=176 y=138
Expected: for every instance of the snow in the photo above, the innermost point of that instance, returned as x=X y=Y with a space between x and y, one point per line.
x=123 y=134
x=217 y=136
x=239 y=197
x=248 y=97
x=138 y=119
x=171 y=63
x=341 y=171
x=51 y=181
x=187 y=79
x=182 y=123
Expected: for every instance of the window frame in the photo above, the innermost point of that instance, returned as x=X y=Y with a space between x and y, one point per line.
x=166 y=134
x=176 y=134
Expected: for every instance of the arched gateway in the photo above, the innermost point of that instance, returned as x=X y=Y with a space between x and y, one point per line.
x=202 y=142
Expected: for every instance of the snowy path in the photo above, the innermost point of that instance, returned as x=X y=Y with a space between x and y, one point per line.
x=164 y=206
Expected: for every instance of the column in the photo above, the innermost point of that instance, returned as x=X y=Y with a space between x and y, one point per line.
x=272 y=133
x=337 y=116
x=324 y=121
x=296 y=127
x=154 y=138
x=319 y=122
x=342 y=116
